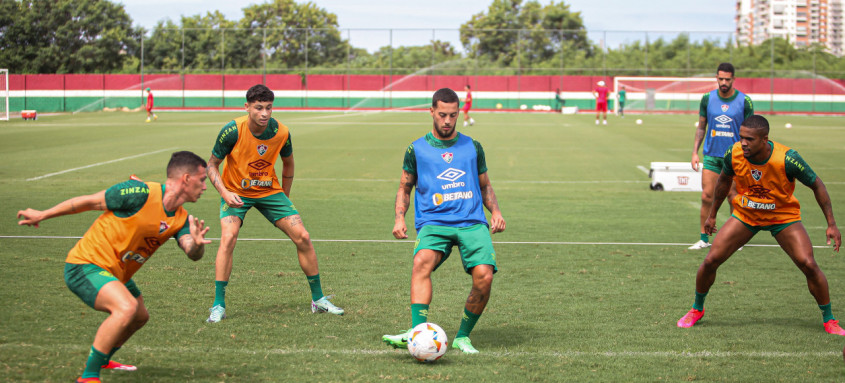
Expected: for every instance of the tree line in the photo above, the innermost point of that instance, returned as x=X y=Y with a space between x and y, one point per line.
x=283 y=36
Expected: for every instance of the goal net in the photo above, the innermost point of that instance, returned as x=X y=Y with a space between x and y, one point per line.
x=662 y=94
x=4 y=95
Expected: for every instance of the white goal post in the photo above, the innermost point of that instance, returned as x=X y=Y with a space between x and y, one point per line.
x=662 y=94
x=4 y=94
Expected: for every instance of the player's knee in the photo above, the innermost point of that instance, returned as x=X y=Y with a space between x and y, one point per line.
x=422 y=265
x=301 y=238
x=809 y=267
x=125 y=310
x=142 y=316
x=483 y=282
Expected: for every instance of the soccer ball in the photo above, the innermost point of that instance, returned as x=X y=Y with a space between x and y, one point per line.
x=639 y=122
x=788 y=126
x=427 y=342
x=523 y=107
x=499 y=106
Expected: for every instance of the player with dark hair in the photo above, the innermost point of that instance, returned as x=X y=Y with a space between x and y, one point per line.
x=149 y=105
x=467 y=106
x=449 y=173
x=621 y=97
x=251 y=144
x=720 y=115
x=600 y=93
x=764 y=173
x=139 y=217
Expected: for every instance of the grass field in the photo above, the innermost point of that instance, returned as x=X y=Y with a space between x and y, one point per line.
x=594 y=270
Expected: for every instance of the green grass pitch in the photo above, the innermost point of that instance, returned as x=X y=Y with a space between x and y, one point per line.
x=594 y=270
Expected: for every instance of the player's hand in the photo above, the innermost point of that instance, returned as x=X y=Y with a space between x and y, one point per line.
x=695 y=161
x=833 y=233
x=233 y=200
x=497 y=223
x=710 y=226
x=400 y=231
x=198 y=230
x=31 y=217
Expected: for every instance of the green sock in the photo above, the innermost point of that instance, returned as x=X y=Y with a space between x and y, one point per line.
x=699 y=301
x=220 y=293
x=114 y=350
x=316 y=287
x=419 y=314
x=96 y=360
x=705 y=237
x=827 y=313
x=467 y=323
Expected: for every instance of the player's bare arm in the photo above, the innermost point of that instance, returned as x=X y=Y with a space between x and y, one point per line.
x=287 y=174
x=823 y=199
x=32 y=217
x=488 y=197
x=699 y=139
x=723 y=187
x=193 y=244
x=403 y=202
x=213 y=171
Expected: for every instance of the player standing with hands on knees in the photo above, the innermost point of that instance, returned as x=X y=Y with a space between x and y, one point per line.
x=251 y=144
x=449 y=172
x=764 y=173
x=139 y=217
x=720 y=115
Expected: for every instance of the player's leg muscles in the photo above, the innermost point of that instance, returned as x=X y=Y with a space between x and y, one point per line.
x=731 y=237
x=425 y=261
x=482 y=281
x=230 y=227
x=293 y=227
x=795 y=241
x=115 y=299
x=708 y=187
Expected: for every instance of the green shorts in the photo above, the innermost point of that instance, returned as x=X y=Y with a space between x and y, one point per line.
x=714 y=163
x=474 y=243
x=273 y=207
x=86 y=280
x=773 y=229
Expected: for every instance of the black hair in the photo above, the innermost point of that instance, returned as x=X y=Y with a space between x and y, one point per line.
x=757 y=122
x=726 y=67
x=184 y=161
x=444 y=95
x=259 y=93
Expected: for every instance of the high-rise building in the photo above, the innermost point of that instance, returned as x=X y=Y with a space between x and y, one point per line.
x=801 y=22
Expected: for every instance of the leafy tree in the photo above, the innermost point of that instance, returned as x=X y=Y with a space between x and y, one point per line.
x=525 y=34
x=65 y=36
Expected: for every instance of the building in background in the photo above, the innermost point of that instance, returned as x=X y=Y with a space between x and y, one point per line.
x=801 y=22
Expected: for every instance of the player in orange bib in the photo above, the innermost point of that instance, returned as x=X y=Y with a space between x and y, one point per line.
x=250 y=145
x=139 y=217
x=765 y=172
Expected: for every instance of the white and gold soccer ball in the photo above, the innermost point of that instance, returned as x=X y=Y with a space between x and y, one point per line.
x=427 y=342
x=639 y=122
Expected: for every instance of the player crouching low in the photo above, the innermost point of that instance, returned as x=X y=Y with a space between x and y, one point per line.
x=765 y=172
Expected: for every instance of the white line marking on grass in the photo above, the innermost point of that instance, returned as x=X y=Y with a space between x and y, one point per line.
x=410 y=241
x=643 y=168
x=497 y=354
x=97 y=164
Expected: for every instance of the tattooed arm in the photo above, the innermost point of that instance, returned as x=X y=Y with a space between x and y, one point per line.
x=213 y=172
x=488 y=197
x=32 y=217
x=403 y=201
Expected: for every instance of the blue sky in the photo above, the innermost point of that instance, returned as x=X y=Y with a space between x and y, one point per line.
x=703 y=19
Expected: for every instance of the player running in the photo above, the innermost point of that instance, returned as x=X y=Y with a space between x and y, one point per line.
x=139 y=217
x=720 y=115
x=600 y=93
x=251 y=145
x=764 y=173
x=467 y=106
x=449 y=172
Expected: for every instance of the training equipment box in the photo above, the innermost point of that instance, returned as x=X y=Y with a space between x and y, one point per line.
x=674 y=176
